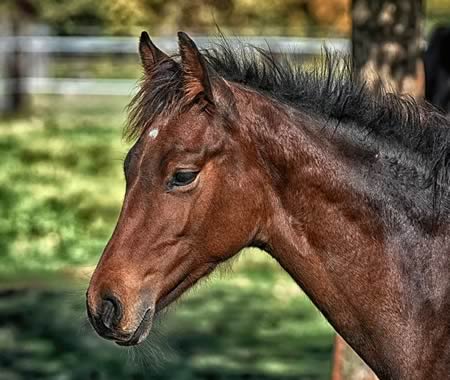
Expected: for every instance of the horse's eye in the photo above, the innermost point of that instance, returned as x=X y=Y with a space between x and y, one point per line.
x=183 y=178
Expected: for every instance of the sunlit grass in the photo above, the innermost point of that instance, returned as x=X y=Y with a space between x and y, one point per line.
x=60 y=185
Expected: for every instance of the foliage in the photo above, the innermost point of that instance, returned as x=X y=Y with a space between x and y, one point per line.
x=281 y=17
x=239 y=16
x=437 y=12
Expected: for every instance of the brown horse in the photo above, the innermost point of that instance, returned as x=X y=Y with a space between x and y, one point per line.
x=346 y=189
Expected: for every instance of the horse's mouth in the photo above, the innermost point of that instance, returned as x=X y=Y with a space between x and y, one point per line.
x=142 y=330
x=146 y=323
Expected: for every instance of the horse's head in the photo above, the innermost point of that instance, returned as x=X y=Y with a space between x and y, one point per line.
x=190 y=202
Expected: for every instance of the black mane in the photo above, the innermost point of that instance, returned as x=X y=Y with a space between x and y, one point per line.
x=412 y=131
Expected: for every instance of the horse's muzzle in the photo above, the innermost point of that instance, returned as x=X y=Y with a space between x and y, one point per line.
x=106 y=318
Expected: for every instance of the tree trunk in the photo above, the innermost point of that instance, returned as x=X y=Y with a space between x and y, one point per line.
x=15 y=15
x=387 y=44
x=387 y=40
x=18 y=100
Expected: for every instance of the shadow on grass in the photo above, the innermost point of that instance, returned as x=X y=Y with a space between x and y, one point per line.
x=216 y=333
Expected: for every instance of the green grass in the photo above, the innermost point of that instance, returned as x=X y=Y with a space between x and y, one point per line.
x=61 y=187
x=61 y=184
x=98 y=67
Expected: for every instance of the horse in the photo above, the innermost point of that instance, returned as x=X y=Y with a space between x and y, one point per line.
x=437 y=68
x=346 y=188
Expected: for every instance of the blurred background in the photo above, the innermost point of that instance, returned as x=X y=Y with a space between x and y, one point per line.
x=67 y=71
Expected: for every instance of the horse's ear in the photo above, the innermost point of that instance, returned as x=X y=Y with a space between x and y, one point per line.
x=149 y=53
x=195 y=72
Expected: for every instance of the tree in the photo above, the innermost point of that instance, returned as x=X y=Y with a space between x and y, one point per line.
x=165 y=17
x=387 y=44
x=17 y=12
x=387 y=40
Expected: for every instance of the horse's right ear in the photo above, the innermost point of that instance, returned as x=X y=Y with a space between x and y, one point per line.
x=150 y=55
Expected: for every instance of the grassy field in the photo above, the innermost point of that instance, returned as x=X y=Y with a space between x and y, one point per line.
x=61 y=184
x=61 y=187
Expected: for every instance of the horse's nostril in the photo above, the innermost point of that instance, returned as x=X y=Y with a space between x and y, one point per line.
x=111 y=311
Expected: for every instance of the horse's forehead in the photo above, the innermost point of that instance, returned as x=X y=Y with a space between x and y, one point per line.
x=188 y=129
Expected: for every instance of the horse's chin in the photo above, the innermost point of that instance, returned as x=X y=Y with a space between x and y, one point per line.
x=185 y=284
x=142 y=331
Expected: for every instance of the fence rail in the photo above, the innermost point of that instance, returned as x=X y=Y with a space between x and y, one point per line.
x=128 y=45
x=37 y=52
x=73 y=86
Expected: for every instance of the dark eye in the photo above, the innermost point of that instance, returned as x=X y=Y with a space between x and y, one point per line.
x=183 y=178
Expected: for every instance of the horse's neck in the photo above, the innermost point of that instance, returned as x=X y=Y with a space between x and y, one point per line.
x=334 y=245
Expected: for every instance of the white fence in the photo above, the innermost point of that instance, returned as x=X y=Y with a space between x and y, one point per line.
x=128 y=45
x=37 y=52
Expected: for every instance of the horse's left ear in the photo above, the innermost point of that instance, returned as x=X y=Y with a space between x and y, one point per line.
x=195 y=71
x=150 y=55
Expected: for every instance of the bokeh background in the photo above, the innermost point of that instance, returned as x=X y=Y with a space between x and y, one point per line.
x=67 y=71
